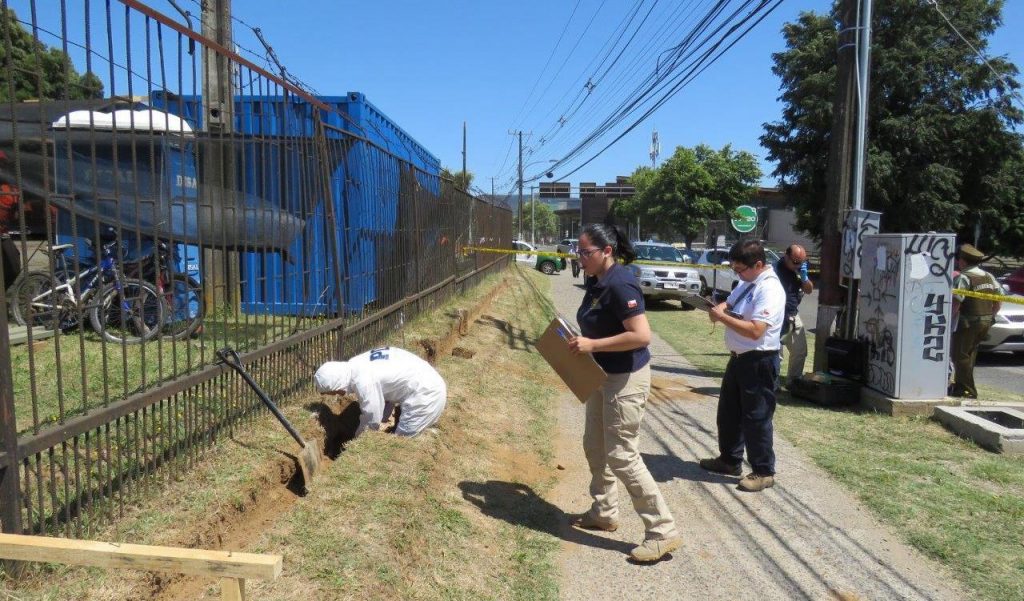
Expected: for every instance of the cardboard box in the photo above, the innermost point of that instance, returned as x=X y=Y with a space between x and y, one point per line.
x=579 y=372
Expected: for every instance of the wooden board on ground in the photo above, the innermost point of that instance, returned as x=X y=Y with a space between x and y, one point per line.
x=19 y=334
x=198 y=562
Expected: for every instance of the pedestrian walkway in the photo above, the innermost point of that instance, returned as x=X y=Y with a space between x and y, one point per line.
x=806 y=538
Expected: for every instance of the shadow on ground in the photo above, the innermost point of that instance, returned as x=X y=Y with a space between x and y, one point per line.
x=666 y=468
x=519 y=505
x=339 y=421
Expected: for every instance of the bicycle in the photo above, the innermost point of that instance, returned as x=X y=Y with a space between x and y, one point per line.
x=127 y=310
x=182 y=294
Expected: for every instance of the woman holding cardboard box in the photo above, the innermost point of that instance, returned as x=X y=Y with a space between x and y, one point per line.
x=614 y=328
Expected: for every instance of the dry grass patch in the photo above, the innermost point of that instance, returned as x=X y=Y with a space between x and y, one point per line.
x=453 y=515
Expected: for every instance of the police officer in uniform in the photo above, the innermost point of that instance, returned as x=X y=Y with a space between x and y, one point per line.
x=753 y=316
x=975 y=317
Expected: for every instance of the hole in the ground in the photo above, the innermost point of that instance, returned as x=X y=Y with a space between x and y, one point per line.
x=1001 y=418
x=339 y=421
x=463 y=353
x=430 y=348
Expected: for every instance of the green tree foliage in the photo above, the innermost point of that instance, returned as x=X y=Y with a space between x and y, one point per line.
x=942 y=152
x=38 y=72
x=691 y=187
x=461 y=180
x=547 y=221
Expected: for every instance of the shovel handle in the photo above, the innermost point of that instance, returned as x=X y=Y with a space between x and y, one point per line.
x=229 y=357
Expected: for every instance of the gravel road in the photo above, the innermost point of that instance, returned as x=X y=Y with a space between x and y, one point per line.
x=806 y=538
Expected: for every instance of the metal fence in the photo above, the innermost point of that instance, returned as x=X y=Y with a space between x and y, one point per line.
x=160 y=212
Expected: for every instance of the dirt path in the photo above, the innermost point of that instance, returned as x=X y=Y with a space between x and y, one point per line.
x=806 y=538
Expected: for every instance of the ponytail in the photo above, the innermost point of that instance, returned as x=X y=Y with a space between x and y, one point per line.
x=614 y=236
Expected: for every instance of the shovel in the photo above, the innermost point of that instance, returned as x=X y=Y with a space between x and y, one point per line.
x=309 y=457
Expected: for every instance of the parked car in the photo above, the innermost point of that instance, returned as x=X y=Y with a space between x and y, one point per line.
x=664 y=282
x=1014 y=282
x=722 y=279
x=1007 y=333
x=566 y=245
x=546 y=264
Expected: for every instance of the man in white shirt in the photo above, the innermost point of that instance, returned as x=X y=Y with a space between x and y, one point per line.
x=383 y=378
x=753 y=316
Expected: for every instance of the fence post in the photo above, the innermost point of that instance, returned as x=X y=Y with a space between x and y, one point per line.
x=417 y=250
x=10 y=493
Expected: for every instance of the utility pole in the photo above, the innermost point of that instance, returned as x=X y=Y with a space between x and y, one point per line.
x=492 y=187
x=519 y=179
x=838 y=177
x=465 y=175
x=219 y=271
x=533 y=219
x=860 y=154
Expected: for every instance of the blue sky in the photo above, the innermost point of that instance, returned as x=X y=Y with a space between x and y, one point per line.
x=432 y=65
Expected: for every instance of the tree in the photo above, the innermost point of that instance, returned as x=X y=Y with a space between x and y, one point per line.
x=691 y=187
x=942 y=154
x=461 y=180
x=39 y=72
x=547 y=221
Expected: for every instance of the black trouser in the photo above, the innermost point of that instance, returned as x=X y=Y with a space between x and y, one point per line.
x=746 y=405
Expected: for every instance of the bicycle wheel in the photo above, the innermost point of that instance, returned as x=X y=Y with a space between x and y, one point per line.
x=183 y=298
x=132 y=313
x=35 y=304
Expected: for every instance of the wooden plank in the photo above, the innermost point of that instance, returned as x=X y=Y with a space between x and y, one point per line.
x=232 y=589
x=19 y=334
x=196 y=562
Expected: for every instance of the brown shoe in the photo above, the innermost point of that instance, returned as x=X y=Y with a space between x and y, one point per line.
x=719 y=466
x=753 y=482
x=652 y=550
x=588 y=522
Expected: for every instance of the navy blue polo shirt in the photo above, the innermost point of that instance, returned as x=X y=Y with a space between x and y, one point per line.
x=792 y=284
x=607 y=303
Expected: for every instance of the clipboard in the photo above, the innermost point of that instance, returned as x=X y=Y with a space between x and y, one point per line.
x=580 y=372
x=705 y=304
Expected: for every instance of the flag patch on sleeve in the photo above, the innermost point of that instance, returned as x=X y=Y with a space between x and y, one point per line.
x=631 y=304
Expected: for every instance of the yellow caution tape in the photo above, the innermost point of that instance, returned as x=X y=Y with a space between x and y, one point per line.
x=1002 y=298
x=552 y=253
x=512 y=251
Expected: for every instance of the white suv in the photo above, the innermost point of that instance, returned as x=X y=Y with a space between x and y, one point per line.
x=723 y=278
x=664 y=281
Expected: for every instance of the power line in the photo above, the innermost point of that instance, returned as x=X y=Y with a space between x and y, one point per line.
x=668 y=87
x=1010 y=85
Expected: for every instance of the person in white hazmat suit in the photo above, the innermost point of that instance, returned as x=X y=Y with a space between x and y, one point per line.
x=383 y=378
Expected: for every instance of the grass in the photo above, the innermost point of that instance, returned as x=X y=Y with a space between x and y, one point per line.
x=949 y=498
x=458 y=515
x=68 y=375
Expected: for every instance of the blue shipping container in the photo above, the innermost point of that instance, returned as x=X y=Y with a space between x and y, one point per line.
x=366 y=197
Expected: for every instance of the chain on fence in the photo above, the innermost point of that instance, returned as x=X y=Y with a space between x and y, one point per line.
x=171 y=200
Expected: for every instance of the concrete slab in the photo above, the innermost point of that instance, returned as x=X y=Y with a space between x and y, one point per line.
x=999 y=429
x=883 y=403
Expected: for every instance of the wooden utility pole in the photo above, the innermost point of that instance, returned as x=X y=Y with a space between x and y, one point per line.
x=839 y=177
x=217 y=200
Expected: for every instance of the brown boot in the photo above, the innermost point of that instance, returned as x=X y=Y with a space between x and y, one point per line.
x=589 y=522
x=652 y=550
x=754 y=482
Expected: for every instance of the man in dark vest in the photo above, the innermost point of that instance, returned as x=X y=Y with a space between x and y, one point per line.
x=975 y=317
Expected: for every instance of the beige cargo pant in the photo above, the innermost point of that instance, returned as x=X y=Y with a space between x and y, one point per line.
x=795 y=341
x=610 y=442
